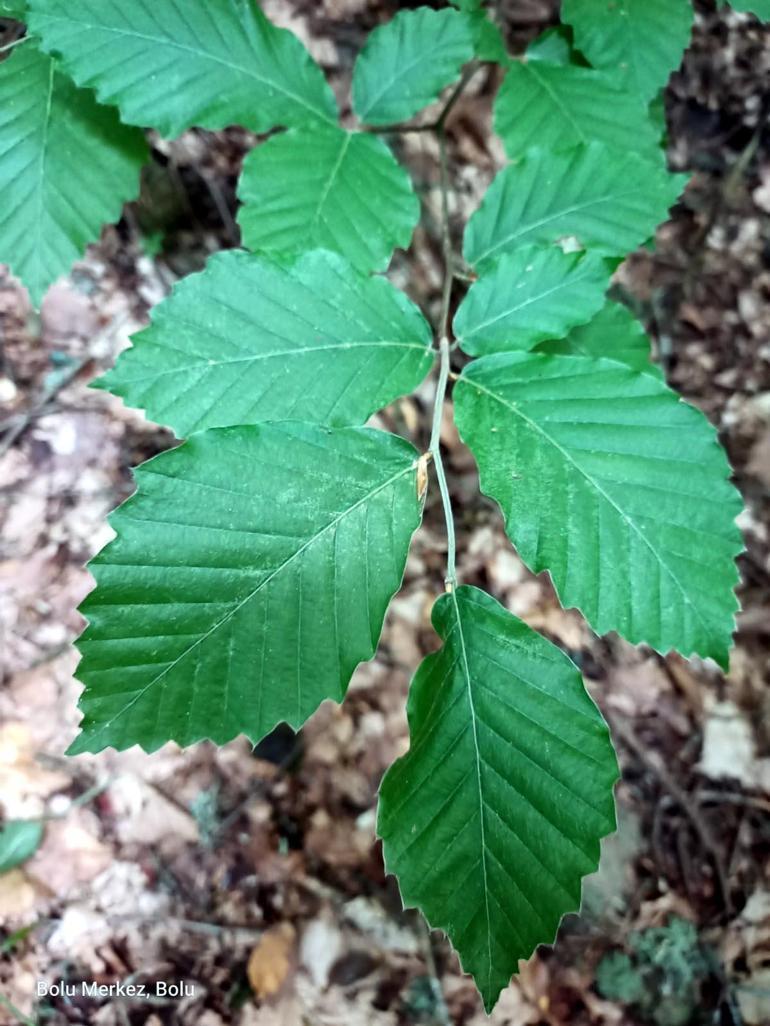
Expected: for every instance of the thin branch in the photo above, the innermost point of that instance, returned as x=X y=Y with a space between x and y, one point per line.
x=435 y=450
x=446 y=239
x=82 y=799
x=425 y=939
x=402 y=128
x=10 y=46
x=444 y=348
x=626 y=733
x=456 y=93
x=231 y=934
x=13 y=428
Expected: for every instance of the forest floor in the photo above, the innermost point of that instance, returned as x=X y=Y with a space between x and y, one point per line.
x=254 y=877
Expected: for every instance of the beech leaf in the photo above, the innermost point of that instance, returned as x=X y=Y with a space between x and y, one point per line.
x=407 y=62
x=250 y=575
x=325 y=188
x=67 y=166
x=495 y=813
x=171 y=65
x=249 y=339
x=615 y=486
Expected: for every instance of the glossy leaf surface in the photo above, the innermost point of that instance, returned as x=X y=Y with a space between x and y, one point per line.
x=558 y=106
x=614 y=333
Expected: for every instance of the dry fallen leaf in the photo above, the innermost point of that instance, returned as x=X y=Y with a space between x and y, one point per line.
x=321 y=945
x=746 y=953
x=18 y=897
x=422 y=475
x=729 y=747
x=24 y=783
x=70 y=856
x=270 y=961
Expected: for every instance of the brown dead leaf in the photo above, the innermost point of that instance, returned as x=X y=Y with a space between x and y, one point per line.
x=746 y=953
x=759 y=460
x=70 y=855
x=322 y=944
x=422 y=475
x=729 y=746
x=24 y=783
x=271 y=960
x=18 y=897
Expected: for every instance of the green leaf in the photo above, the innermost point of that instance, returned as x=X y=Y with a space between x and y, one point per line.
x=249 y=340
x=557 y=106
x=760 y=8
x=67 y=166
x=19 y=840
x=496 y=812
x=607 y=201
x=489 y=44
x=170 y=65
x=615 y=334
x=488 y=41
x=616 y=487
x=13 y=9
x=657 y=112
x=249 y=577
x=554 y=46
x=325 y=188
x=642 y=39
x=532 y=294
x=405 y=64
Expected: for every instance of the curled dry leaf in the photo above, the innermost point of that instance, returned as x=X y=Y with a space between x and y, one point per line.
x=271 y=961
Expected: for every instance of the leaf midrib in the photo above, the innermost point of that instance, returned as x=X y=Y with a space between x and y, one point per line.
x=598 y=488
x=282 y=354
x=244 y=601
x=328 y=185
x=557 y=100
x=478 y=763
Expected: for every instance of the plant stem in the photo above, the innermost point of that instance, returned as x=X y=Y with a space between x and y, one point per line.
x=455 y=95
x=13 y=42
x=435 y=439
x=435 y=450
x=444 y=348
x=450 y=273
x=446 y=240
